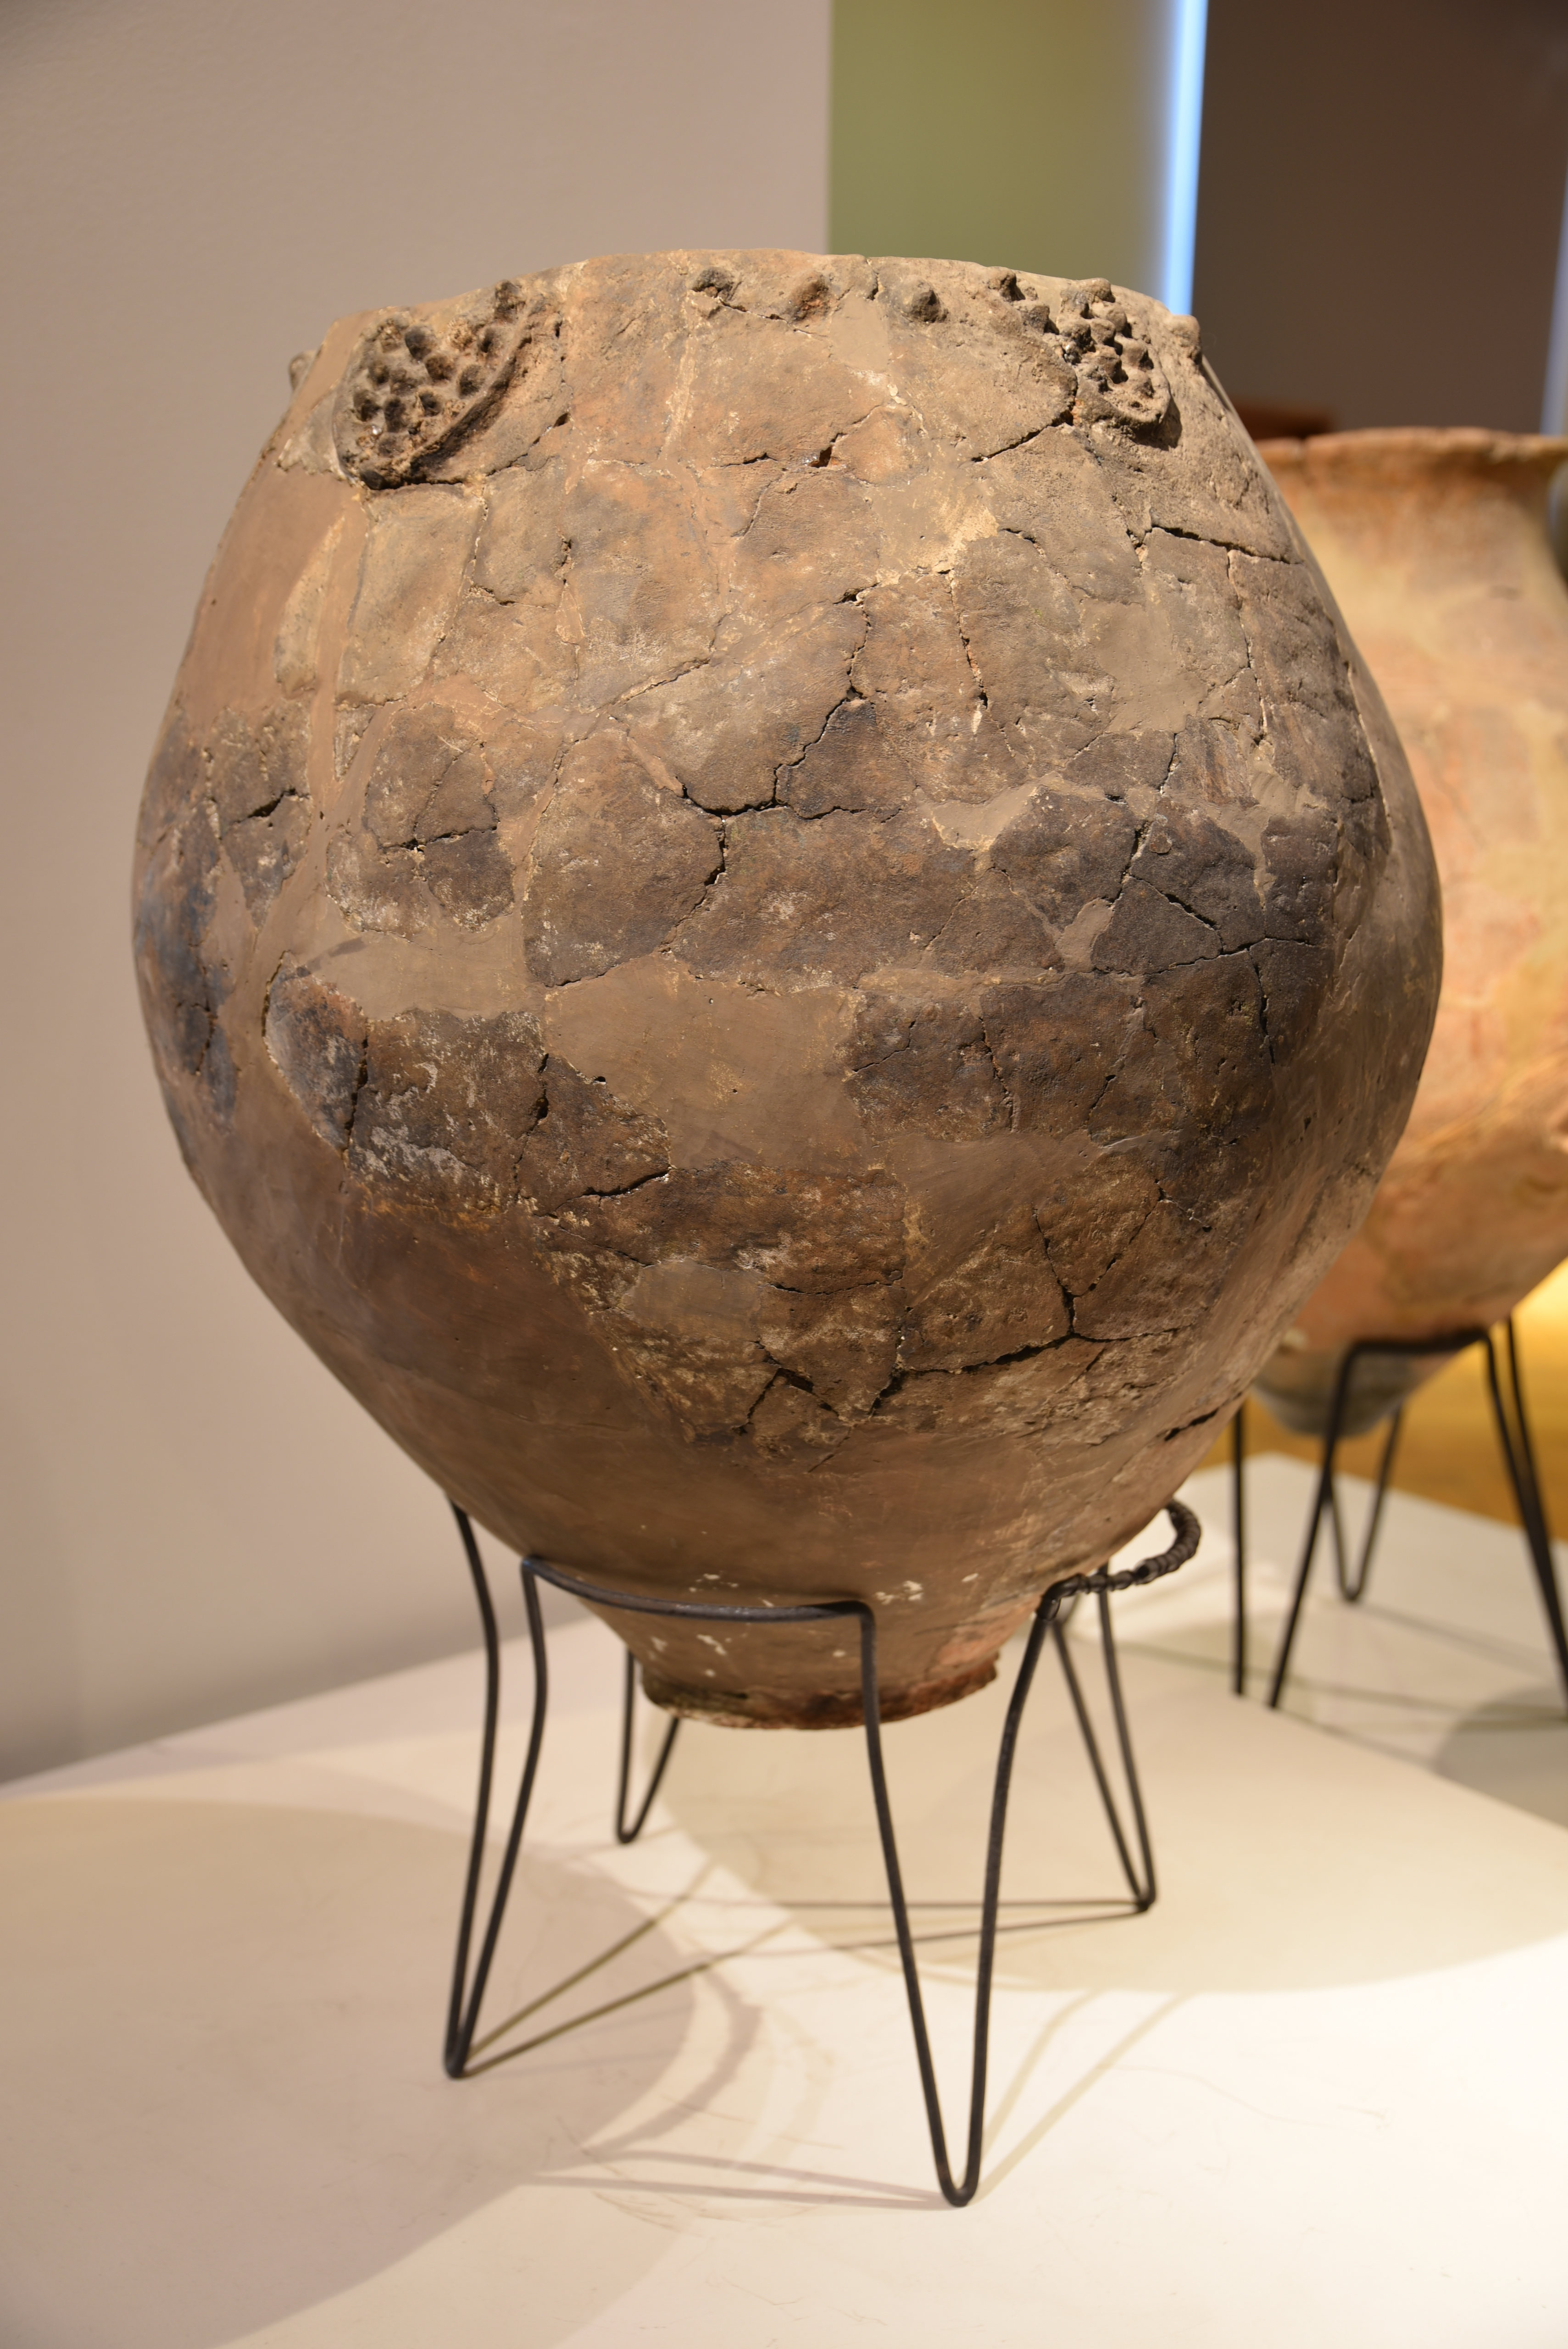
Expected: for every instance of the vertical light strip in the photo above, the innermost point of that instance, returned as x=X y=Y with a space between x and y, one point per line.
x=1555 y=404
x=1189 y=31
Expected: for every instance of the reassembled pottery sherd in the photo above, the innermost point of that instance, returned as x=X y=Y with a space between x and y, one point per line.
x=775 y=915
x=1438 y=548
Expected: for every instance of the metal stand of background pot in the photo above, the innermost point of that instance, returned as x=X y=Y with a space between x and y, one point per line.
x=1512 y=1423
x=468 y=1991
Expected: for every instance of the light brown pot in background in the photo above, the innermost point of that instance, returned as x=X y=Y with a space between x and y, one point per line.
x=773 y=912
x=1438 y=548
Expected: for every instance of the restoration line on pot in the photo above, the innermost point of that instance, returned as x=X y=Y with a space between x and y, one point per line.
x=463 y=2011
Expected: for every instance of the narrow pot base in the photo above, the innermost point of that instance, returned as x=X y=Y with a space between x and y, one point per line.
x=738 y=1709
x=1298 y=1387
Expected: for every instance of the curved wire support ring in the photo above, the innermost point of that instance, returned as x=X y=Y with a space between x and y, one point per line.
x=463 y=2014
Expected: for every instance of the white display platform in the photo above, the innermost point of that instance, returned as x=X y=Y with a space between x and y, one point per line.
x=1445 y=1661
x=1319 y=2094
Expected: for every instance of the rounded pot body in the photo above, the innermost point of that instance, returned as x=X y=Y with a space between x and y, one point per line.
x=1438 y=545
x=775 y=914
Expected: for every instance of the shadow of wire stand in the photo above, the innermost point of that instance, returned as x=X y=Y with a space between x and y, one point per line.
x=1513 y=1748
x=468 y=1993
x=1512 y=1423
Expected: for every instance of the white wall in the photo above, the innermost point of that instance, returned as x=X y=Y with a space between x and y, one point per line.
x=196 y=1518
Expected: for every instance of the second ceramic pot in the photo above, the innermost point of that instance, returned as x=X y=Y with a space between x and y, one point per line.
x=1438 y=546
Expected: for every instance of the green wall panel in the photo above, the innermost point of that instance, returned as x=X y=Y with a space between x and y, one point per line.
x=1029 y=133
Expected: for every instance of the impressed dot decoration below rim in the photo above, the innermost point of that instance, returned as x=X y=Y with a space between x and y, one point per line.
x=414 y=384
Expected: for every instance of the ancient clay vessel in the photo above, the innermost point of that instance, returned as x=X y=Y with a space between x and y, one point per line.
x=1438 y=549
x=773 y=913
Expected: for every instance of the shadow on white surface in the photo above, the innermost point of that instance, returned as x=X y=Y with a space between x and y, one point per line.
x=1515 y=1749
x=1276 y=1872
x=220 y=2045
x=1445 y=1662
x=1322 y=2077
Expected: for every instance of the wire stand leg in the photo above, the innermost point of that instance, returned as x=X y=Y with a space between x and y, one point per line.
x=1140 y=1878
x=1519 y=1454
x=1526 y=1442
x=1352 y=1586
x=1239 y=1529
x=625 y=1833
x=960 y=2191
x=463 y=2010
x=1321 y=1505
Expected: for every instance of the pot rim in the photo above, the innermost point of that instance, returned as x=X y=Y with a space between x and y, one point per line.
x=1469 y=449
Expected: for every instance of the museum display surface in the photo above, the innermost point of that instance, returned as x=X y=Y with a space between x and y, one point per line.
x=774 y=911
x=1438 y=548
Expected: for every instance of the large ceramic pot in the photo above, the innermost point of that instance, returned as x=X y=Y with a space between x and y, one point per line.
x=1438 y=548
x=775 y=913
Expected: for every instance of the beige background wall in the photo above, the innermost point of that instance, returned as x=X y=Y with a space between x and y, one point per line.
x=196 y=1519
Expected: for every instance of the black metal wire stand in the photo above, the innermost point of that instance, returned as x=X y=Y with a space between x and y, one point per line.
x=1239 y=1529
x=1512 y=1423
x=468 y=1991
